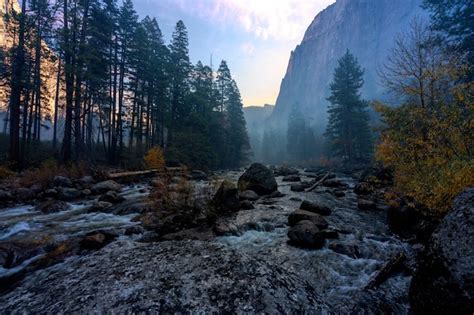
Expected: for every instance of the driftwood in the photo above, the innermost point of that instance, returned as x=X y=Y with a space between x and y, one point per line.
x=317 y=183
x=392 y=266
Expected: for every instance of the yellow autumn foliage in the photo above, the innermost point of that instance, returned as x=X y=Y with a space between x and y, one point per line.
x=154 y=158
x=431 y=150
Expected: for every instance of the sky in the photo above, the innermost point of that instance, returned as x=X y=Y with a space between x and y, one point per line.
x=255 y=37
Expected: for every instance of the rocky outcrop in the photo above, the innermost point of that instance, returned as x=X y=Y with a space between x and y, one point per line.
x=306 y=234
x=166 y=277
x=444 y=280
x=366 y=27
x=259 y=179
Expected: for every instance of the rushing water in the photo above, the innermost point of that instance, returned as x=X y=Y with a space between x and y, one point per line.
x=340 y=278
x=262 y=232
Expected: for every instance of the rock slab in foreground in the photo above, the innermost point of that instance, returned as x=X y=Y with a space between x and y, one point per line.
x=444 y=281
x=258 y=178
x=166 y=277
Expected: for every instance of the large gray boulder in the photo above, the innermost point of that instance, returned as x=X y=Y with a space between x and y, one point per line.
x=226 y=199
x=306 y=234
x=444 y=280
x=164 y=278
x=105 y=186
x=258 y=178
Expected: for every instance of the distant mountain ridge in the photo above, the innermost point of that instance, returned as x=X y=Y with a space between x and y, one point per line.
x=367 y=28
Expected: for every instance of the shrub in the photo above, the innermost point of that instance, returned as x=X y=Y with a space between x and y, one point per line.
x=5 y=173
x=154 y=158
x=45 y=174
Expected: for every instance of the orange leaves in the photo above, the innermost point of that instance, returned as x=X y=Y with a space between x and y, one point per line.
x=154 y=158
x=430 y=150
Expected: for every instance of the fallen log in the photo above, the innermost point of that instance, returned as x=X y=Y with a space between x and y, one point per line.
x=319 y=182
x=392 y=266
x=146 y=173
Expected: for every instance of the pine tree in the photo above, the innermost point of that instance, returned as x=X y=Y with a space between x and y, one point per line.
x=238 y=141
x=300 y=138
x=348 y=131
x=180 y=68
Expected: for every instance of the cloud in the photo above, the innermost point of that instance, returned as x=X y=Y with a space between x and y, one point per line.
x=247 y=48
x=265 y=19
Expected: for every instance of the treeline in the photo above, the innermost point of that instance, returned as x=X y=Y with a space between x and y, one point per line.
x=118 y=89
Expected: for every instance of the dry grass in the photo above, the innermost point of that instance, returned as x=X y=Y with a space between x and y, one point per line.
x=45 y=174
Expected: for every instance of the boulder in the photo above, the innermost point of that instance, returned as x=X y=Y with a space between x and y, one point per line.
x=52 y=206
x=249 y=195
x=198 y=175
x=364 y=204
x=67 y=194
x=315 y=207
x=259 y=179
x=303 y=215
x=100 y=206
x=444 y=280
x=285 y=171
x=105 y=186
x=226 y=199
x=306 y=234
x=334 y=183
x=330 y=234
x=363 y=188
x=297 y=187
x=112 y=197
x=291 y=178
x=86 y=181
x=62 y=181
x=165 y=277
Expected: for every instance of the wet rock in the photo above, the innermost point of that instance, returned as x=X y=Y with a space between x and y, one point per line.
x=67 y=194
x=52 y=206
x=334 y=183
x=198 y=175
x=112 y=197
x=5 y=196
x=136 y=229
x=364 y=204
x=285 y=171
x=23 y=194
x=105 y=186
x=297 y=199
x=315 y=207
x=302 y=215
x=86 y=192
x=444 y=280
x=339 y=193
x=246 y=205
x=306 y=234
x=165 y=277
x=297 y=187
x=94 y=241
x=97 y=239
x=224 y=228
x=259 y=179
x=62 y=181
x=291 y=178
x=100 y=206
x=226 y=199
x=249 y=195
x=364 y=188
x=50 y=193
x=36 y=189
x=86 y=181
x=350 y=250
x=276 y=194
x=330 y=234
